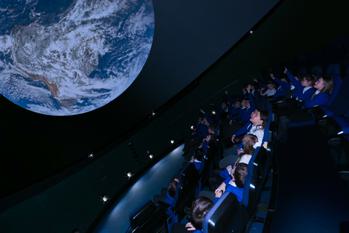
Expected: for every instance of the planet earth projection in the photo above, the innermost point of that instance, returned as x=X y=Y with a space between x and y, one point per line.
x=68 y=57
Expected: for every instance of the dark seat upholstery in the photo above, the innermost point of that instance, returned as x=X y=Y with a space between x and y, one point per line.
x=227 y=215
x=189 y=180
x=151 y=218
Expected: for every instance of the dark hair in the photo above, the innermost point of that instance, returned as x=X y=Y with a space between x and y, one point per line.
x=308 y=78
x=271 y=83
x=248 y=142
x=172 y=188
x=199 y=154
x=284 y=77
x=264 y=115
x=200 y=208
x=240 y=174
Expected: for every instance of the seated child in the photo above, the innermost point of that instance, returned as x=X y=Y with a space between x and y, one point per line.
x=244 y=155
x=235 y=184
x=201 y=206
x=256 y=127
x=322 y=95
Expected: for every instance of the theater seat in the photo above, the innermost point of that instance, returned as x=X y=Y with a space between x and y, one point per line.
x=189 y=180
x=334 y=70
x=151 y=218
x=227 y=215
x=143 y=214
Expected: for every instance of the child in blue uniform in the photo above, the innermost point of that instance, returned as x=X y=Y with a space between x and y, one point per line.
x=283 y=87
x=201 y=206
x=321 y=97
x=258 y=119
x=244 y=155
x=235 y=184
x=303 y=89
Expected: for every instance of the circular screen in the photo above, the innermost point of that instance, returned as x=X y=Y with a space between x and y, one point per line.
x=67 y=57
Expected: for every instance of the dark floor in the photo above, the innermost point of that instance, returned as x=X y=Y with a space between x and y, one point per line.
x=311 y=198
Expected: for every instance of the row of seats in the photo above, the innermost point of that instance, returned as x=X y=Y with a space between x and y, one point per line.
x=204 y=149
x=332 y=117
x=293 y=98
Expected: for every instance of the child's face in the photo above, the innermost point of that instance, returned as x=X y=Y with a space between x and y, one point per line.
x=256 y=118
x=320 y=84
x=306 y=83
x=245 y=103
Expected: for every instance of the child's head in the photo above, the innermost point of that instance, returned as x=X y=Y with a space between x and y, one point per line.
x=271 y=86
x=248 y=142
x=212 y=129
x=200 y=208
x=250 y=87
x=259 y=117
x=172 y=187
x=283 y=77
x=237 y=104
x=324 y=84
x=245 y=103
x=307 y=81
x=199 y=154
x=240 y=174
x=205 y=121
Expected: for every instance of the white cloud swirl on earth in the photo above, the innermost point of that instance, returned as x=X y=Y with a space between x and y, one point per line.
x=60 y=57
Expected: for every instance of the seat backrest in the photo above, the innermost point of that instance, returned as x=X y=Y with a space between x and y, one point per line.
x=267 y=134
x=334 y=70
x=188 y=182
x=340 y=104
x=155 y=222
x=257 y=174
x=249 y=178
x=147 y=210
x=261 y=165
x=227 y=215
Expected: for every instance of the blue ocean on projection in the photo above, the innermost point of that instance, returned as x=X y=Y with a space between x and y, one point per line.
x=67 y=57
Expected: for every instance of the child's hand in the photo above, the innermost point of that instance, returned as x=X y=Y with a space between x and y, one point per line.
x=233 y=138
x=218 y=193
x=189 y=226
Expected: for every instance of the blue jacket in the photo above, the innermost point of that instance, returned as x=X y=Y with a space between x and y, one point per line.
x=298 y=91
x=298 y=88
x=283 y=88
x=201 y=131
x=243 y=130
x=199 y=166
x=321 y=99
x=233 y=112
x=306 y=96
x=245 y=114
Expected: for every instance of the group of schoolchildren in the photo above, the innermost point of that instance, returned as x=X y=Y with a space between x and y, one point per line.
x=246 y=120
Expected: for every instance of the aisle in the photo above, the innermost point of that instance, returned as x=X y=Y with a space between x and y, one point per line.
x=311 y=198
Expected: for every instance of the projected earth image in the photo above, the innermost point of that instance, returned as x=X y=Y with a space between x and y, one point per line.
x=67 y=57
